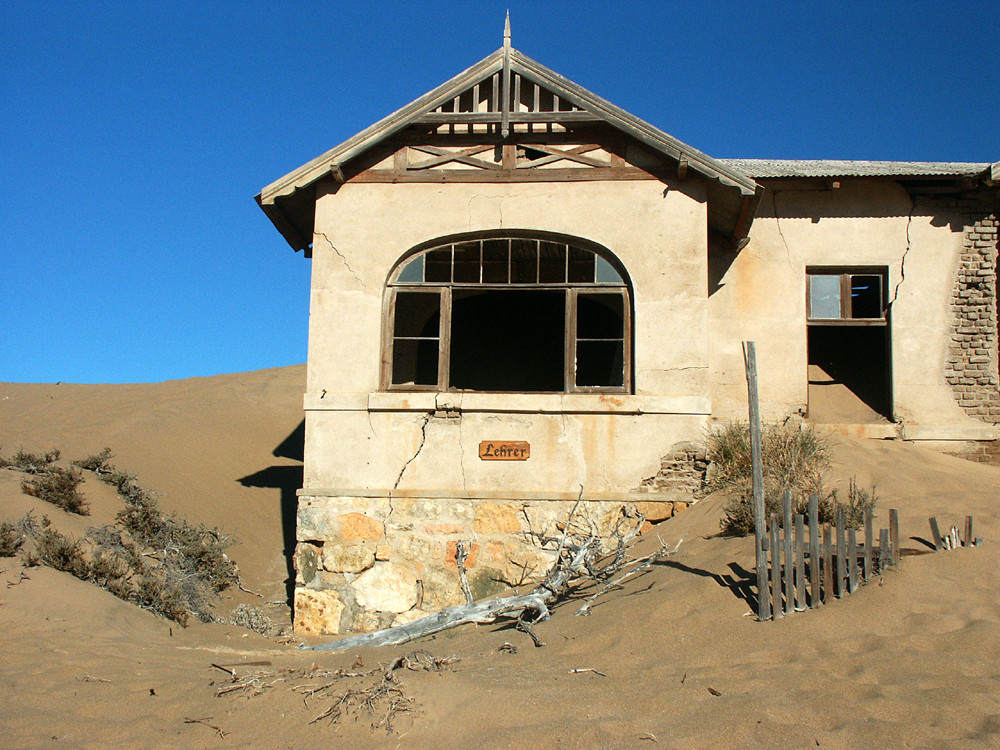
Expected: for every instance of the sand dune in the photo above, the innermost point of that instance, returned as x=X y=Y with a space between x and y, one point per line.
x=907 y=662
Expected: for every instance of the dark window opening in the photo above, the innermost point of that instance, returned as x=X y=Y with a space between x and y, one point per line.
x=507 y=340
x=508 y=314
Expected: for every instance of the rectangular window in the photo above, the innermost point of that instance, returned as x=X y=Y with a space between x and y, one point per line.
x=416 y=338
x=854 y=296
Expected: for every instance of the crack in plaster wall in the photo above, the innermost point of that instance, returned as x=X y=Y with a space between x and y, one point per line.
x=423 y=439
x=906 y=250
x=341 y=256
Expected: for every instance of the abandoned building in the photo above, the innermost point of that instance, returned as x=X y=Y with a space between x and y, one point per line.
x=523 y=295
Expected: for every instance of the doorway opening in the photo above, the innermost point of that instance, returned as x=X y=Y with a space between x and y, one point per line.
x=849 y=346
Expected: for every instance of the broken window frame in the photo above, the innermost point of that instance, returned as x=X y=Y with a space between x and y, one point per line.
x=401 y=280
x=846 y=274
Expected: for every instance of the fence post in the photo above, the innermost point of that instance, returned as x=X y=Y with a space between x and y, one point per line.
x=969 y=539
x=852 y=561
x=800 y=562
x=786 y=530
x=883 y=550
x=894 y=535
x=841 y=551
x=868 y=543
x=827 y=563
x=775 y=568
x=814 y=550
x=936 y=534
x=759 y=521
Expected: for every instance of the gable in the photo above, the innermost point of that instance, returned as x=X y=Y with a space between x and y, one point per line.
x=509 y=118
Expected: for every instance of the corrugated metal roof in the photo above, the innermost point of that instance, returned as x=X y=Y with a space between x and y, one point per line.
x=838 y=168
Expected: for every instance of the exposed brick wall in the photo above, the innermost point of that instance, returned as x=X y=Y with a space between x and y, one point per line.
x=682 y=471
x=971 y=367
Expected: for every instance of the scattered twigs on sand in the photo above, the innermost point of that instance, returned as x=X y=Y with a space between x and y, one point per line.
x=204 y=722
x=379 y=694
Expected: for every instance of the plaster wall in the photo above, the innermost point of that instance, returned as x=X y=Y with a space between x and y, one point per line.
x=357 y=437
x=761 y=296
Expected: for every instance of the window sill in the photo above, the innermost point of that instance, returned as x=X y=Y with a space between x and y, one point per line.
x=509 y=403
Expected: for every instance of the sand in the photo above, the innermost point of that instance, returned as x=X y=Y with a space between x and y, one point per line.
x=912 y=660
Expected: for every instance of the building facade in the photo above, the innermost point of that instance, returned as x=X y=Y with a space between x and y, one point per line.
x=523 y=296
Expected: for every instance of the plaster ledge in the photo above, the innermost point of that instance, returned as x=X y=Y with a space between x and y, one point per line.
x=509 y=403
x=507 y=495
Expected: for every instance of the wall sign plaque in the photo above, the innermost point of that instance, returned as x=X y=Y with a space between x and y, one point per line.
x=504 y=450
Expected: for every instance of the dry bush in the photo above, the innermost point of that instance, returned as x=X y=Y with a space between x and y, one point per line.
x=97 y=463
x=11 y=539
x=793 y=460
x=58 y=487
x=162 y=563
x=30 y=463
x=253 y=618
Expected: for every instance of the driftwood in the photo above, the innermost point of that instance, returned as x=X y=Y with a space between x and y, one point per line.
x=576 y=557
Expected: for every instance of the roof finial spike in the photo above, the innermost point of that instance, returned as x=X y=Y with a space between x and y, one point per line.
x=506 y=31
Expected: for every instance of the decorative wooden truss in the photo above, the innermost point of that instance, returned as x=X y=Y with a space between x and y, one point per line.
x=509 y=119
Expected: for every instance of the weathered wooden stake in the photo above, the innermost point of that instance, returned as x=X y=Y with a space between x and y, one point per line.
x=786 y=530
x=800 y=562
x=759 y=520
x=894 y=535
x=841 y=552
x=827 y=563
x=969 y=539
x=775 y=569
x=936 y=534
x=883 y=550
x=869 y=541
x=852 y=561
x=814 y=551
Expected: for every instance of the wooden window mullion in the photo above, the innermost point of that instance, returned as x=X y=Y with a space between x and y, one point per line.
x=444 y=341
x=569 y=354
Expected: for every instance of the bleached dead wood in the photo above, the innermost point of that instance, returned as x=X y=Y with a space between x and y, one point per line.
x=482 y=613
x=577 y=557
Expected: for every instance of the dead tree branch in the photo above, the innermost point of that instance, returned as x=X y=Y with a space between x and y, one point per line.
x=577 y=557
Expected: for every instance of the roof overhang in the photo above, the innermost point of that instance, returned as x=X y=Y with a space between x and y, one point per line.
x=290 y=201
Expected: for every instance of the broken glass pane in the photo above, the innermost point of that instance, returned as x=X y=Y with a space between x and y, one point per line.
x=866 y=296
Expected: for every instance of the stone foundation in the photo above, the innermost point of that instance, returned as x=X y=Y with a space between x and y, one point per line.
x=367 y=563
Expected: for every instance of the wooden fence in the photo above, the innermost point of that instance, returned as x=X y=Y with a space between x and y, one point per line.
x=809 y=567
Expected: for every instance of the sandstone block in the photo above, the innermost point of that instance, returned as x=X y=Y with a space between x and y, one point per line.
x=417 y=550
x=306 y=562
x=492 y=518
x=386 y=587
x=348 y=558
x=655 y=511
x=317 y=612
x=441 y=589
x=359 y=527
x=383 y=552
x=404 y=618
x=365 y=622
x=443 y=528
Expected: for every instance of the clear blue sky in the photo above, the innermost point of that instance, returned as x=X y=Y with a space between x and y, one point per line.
x=135 y=136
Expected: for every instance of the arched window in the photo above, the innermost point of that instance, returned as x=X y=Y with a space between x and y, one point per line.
x=513 y=313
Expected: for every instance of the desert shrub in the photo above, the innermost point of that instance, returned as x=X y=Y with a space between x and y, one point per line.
x=30 y=463
x=253 y=618
x=59 y=487
x=97 y=463
x=162 y=563
x=60 y=551
x=11 y=539
x=858 y=500
x=793 y=459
